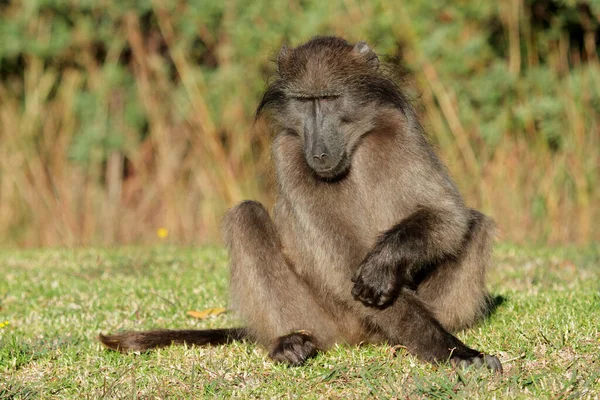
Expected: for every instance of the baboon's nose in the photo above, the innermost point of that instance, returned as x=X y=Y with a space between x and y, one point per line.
x=320 y=157
x=321 y=160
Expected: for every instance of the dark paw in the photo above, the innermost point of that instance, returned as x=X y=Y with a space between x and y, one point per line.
x=293 y=349
x=375 y=284
x=481 y=360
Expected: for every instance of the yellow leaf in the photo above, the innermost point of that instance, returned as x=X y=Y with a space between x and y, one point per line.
x=209 y=312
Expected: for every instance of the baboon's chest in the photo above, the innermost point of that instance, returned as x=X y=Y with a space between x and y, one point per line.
x=328 y=228
x=327 y=235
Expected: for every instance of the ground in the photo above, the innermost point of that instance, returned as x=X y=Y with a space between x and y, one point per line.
x=54 y=302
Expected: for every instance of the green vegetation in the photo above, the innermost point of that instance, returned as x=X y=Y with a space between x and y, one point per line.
x=120 y=118
x=55 y=302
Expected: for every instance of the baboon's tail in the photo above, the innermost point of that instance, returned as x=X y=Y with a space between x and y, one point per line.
x=142 y=341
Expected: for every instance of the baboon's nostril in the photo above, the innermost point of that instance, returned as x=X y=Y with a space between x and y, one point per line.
x=322 y=157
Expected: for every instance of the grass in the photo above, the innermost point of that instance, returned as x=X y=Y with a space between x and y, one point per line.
x=55 y=302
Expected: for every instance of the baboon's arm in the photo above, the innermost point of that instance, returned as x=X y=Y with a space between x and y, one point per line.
x=425 y=236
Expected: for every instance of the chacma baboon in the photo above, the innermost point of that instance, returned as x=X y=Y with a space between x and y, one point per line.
x=370 y=240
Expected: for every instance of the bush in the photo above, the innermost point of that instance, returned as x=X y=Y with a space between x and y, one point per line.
x=121 y=118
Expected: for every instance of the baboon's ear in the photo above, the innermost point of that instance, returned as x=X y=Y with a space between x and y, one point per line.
x=363 y=50
x=282 y=57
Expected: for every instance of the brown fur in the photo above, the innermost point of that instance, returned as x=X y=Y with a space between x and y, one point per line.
x=370 y=240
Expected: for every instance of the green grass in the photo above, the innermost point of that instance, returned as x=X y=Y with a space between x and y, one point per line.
x=546 y=332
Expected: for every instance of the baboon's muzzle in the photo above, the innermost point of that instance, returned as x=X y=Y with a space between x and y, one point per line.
x=321 y=159
x=323 y=146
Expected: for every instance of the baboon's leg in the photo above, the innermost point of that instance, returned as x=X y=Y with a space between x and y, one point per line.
x=455 y=291
x=278 y=307
x=409 y=323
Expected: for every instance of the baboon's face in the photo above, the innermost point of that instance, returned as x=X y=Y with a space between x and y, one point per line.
x=321 y=102
x=328 y=128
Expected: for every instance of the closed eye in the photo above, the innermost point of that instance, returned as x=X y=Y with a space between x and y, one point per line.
x=329 y=98
x=311 y=98
x=291 y=132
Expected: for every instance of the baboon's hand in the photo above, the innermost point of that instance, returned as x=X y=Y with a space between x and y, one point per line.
x=375 y=281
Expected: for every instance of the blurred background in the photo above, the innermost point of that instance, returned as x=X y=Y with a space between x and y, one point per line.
x=126 y=122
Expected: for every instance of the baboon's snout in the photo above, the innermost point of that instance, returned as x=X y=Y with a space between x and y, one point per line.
x=320 y=158
x=324 y=148
x=325 y=161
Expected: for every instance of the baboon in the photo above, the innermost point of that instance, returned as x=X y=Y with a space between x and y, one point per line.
x=370 y=240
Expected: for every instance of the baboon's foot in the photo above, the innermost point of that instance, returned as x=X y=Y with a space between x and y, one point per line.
x=294 y=349
x=480 y=360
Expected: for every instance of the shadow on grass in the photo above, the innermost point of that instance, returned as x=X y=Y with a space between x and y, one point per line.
x=493 y=303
